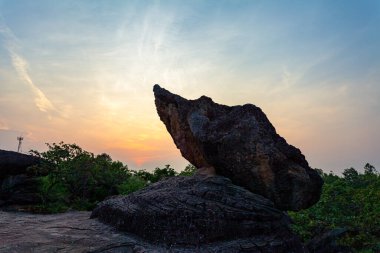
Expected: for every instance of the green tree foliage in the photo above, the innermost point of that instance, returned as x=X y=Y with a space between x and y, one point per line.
x=157 y=175
x=140 y=179
x=132 y=184
x=71 y=177
x=352 y=202
x=188 y=171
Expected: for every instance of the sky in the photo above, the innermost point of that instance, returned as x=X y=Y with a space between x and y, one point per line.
x=83 y=72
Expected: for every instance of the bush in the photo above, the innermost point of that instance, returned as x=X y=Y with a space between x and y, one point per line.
x=157 y=175
x=132 y=184
x=352 y=202
x=76 y=178
x=188 y=171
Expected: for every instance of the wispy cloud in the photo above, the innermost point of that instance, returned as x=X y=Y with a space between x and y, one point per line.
x=40 y=99
x=21 y=66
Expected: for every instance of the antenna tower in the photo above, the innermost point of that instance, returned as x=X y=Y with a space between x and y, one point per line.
x=20 y=138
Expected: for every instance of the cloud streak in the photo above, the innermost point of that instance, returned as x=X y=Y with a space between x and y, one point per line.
x=21 y=67
x=40 y=99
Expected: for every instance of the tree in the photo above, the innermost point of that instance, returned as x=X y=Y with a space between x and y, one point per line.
x=369 y=169
x=188 y=171
x=72 y=177
x=161 y=173
x=350 y=174
x=352 y=202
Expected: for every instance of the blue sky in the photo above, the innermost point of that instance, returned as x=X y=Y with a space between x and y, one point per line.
x=83 y=71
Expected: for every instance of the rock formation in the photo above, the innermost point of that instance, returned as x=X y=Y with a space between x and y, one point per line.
x=201 y=212
x=13 y=163
x=247 y=174
x=240 y=143
x=16 y=185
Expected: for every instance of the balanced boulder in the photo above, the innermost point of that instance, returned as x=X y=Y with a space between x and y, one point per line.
x=247 y=175
x=240 y=143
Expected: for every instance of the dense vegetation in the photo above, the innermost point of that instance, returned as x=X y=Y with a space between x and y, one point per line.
x=72 y=178
x=351 y=201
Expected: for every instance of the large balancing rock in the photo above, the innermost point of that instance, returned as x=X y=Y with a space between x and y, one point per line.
x=240 y=143
x=208 y=213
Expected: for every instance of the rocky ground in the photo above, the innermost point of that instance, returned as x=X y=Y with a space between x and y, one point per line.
x=76 y=232
x=67 y=232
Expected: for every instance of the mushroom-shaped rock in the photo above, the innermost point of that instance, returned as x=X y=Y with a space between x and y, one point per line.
x=240 y=143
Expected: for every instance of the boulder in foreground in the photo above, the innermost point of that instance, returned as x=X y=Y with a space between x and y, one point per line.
x=201 y=211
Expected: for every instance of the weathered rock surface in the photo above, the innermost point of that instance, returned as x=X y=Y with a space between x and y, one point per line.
x=75 y=232
x=201 y=211
x=240 y=143
x=16 y=185
x=13 y=163
x=67 y=232
x=20 y=190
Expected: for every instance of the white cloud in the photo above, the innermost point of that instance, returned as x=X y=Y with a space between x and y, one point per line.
x=21 y=66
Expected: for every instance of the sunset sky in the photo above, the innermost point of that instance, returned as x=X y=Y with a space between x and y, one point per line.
x=83 y=71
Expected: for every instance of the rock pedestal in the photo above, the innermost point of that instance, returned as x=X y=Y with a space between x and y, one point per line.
x=201 y=211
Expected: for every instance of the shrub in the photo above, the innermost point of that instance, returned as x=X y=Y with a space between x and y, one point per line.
x=352 y=202
x=188 y=171
x=76 y=178
x=132 y=184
